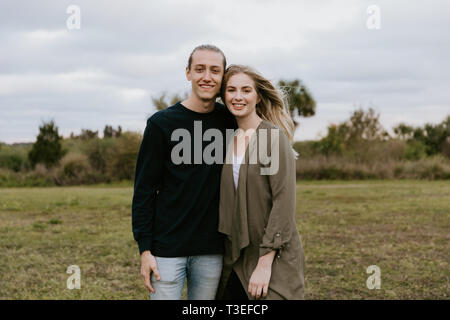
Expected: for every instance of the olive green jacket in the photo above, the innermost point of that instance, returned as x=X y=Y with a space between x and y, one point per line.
x=260 y=215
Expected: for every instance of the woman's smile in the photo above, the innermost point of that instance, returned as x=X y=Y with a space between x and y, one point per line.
x=238 y=106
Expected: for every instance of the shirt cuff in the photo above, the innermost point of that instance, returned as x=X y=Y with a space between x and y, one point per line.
x=145 y=244
x=276 y=244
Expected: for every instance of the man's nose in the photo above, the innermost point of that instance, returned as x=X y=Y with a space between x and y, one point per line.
x=207 y=76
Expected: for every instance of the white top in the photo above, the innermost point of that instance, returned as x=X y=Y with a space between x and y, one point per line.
x=236 y=166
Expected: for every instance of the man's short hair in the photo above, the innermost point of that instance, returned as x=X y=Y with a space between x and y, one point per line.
x=209 y=47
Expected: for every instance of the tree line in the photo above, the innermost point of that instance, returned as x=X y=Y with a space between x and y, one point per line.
x=356 y=148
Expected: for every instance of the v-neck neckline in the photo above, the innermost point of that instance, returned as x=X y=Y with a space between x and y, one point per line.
x=244 y=165
x=245 y=152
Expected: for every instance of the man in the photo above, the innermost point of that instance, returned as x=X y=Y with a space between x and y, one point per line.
x=175 y=205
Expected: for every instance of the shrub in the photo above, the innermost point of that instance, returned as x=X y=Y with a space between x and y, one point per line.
x=320 y=167
x=96 y=151
x=35 y=178
x=47 y=149
x=416 y=150
x=446 y=147
x=75 y=169
x=11 y=161
x=305 y=149
x=121 y=157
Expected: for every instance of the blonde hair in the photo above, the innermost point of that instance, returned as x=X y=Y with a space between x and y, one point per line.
x=273 y=106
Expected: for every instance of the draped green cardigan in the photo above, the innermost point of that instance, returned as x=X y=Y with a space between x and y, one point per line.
x=260 y=215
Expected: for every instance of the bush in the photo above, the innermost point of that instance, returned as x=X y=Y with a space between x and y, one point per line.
x=352 y=138
x=11 y=161
x=446 y=147
x=427 y=140
x=428 y=168
x=416 y=150
x=47 y=149
x=97 y=152
x=333 y=168
x=305 y=149
x=36 y=178
x=121 y=157
x=74 y=169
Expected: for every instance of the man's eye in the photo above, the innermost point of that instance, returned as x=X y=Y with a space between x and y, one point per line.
x=199 y=69
x=230 y=90
x=215 y=71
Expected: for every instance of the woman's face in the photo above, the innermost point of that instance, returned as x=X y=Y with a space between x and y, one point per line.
x=240 y=95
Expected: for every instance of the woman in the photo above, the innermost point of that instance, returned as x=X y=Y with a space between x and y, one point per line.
x=263 y=251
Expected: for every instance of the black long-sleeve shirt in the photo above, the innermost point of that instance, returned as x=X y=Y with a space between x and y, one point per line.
x=175 y=205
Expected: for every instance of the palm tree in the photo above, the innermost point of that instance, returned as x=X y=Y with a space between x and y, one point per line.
x=299 y=98
x=161 y=104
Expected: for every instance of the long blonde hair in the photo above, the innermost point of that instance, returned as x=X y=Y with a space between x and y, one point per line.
x=273 y=106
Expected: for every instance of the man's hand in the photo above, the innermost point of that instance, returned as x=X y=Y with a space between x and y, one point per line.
x=259 y=281
x=149 y=265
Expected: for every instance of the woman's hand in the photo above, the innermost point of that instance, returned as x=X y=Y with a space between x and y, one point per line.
x=259 y=281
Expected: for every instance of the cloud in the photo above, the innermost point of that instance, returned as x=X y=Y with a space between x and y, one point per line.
x=124 y=54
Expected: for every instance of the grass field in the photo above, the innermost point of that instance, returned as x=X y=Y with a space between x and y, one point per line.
x=403 y=227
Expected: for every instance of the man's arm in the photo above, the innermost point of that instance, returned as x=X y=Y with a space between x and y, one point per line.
x=147 y=182
x=148 y=176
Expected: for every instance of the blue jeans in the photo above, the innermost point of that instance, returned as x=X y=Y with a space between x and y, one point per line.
x=202 y=273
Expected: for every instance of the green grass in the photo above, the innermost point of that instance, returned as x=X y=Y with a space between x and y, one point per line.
x=400 y=226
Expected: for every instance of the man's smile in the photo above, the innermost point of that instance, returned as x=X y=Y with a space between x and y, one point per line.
x=207 y=86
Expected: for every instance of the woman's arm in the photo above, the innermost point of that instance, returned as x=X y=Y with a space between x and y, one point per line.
x=278 y=230
x=259 y=281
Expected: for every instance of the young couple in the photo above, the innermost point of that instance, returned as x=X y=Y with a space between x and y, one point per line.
x=225 y=227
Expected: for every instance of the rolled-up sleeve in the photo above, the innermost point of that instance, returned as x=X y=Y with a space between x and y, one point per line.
x=278 y=231
x=148 y=176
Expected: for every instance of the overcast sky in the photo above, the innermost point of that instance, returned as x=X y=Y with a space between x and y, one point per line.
x=126 y=52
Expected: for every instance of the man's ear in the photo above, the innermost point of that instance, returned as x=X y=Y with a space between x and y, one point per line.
x=188 y=74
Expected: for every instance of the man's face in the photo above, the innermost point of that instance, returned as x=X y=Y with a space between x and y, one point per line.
x=206 y=74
